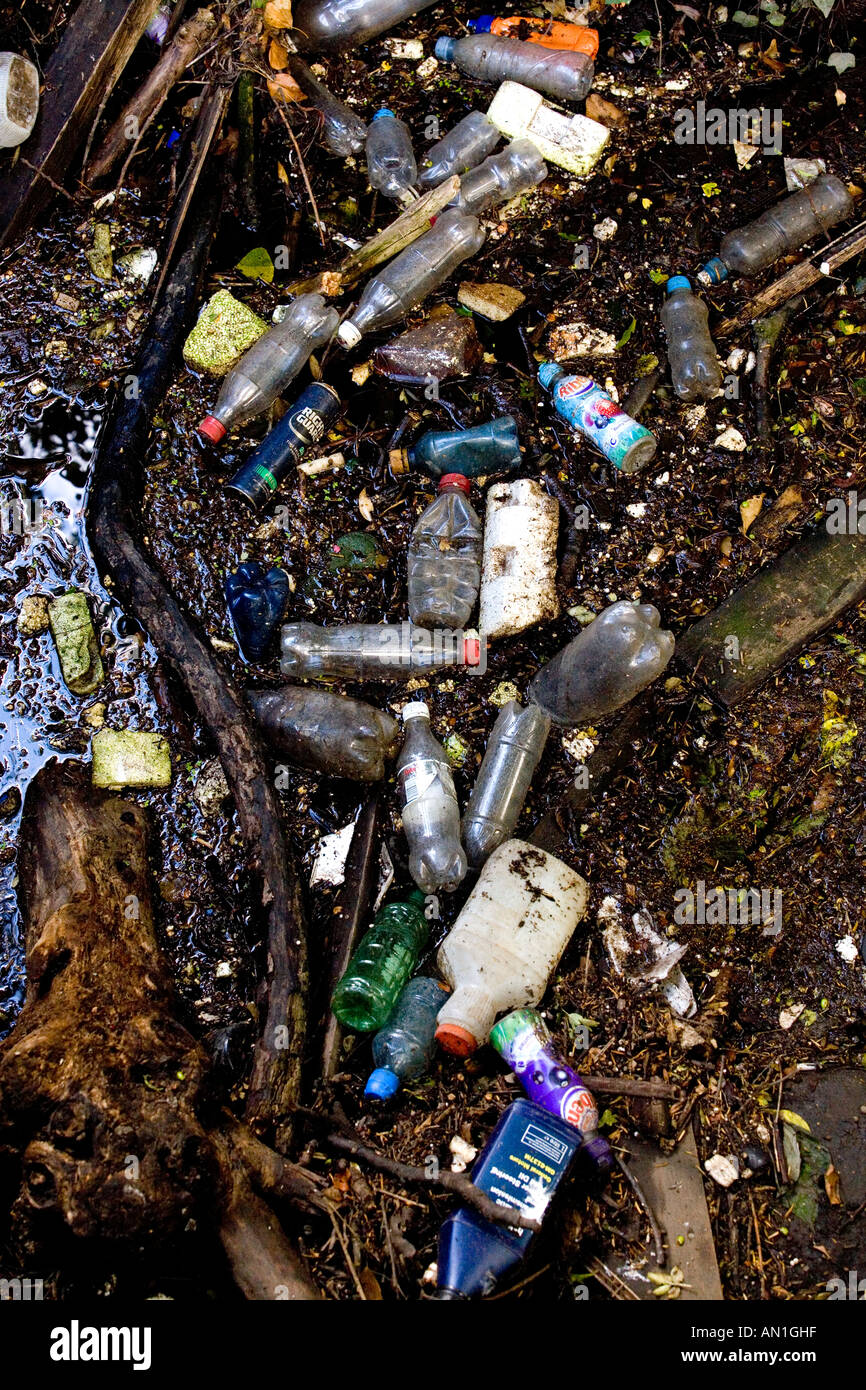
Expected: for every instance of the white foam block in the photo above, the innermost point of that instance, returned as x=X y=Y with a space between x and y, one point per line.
x=518 y=574
x=573 y=142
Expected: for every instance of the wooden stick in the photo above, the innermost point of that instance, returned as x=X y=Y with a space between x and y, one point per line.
x=631 y=1086
x=798 y=279
x=143 y=106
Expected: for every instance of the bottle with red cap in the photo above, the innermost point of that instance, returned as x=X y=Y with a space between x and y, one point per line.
x=445 y=558
x=268 y=367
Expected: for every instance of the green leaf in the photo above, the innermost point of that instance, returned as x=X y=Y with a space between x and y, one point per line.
x=825 y=6
x=745 y=21
x=257 y=265
x=627 y=334
x=644 y=38
x=659 y=277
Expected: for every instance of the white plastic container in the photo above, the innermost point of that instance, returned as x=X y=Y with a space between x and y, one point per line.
x=19 y=99
x=573 y=142
x=507 y=941
x=518 y=574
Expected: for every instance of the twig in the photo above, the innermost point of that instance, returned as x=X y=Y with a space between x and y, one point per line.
x=631 y=1086
x=767 y=333
x=304 y=175
x=648 y=1211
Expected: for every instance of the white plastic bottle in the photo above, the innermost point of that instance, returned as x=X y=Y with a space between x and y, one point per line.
x=19 y=99
x=507 y=941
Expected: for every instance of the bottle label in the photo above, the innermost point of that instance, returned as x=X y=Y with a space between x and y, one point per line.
x=589 y=409
x=417 y=778
x=578 y=1108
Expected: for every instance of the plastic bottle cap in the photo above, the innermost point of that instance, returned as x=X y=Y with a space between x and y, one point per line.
x=211 y=428
x=678 y=282
x=384 y=112
x=383 y=1083
x=548 y=372
x=455 y=1039
x=416 y=709
x=348 y=334
x=481 y=25
x=713 y=272
x=445 y=48
x=471 y=649
x=455 y=480
x=398 y=461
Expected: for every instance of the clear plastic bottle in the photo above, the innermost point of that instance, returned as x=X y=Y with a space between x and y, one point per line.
x=781 y=229
x=326 y=732
x=406 y=281
x=343 y=130
x=431 y=816
x=564 y=75
x=471 y=140
x=272 y=362
x=695 y=370
x=381 y=964
x=616 y=656
x=445 y=558
x=372 y=651
x=490 y=448
x=547 y=33
x=404 y=1047
x=510 y=759
x=391 y=166
x=330 y=24
x=500 y=178
x=507 y=940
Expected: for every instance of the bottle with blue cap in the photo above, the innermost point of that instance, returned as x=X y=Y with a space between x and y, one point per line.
x=783 y=228
x=402 y=1050
x=391 y=166
x=695 y=370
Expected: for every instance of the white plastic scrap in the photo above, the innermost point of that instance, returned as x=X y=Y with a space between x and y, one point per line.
x=641 y=955
x=847 y=948
x=463 y=1154
x=799 y=172
x=723 y=1169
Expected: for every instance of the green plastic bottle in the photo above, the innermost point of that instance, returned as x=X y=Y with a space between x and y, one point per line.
x=383 y=961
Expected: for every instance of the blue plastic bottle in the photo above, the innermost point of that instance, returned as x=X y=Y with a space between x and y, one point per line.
x=403 y=1048
x=521 y=1165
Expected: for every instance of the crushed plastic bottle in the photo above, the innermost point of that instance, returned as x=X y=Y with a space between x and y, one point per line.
x=431 y=816
x=547 y=33
x=471 y=140
x=522 y=1164
x=402 y=1050
x=510 y=759
x=592 y=412
x=564 y=75
x=343 y=130
x=381 y=964
x=507 y=940
x=608 y=663
x=444 y=567
x=270 y=365
x=330 y=24
x=326 y=732
x=781 y=229
x=523 y=1040
x=406 y=281
x=500 y=178
x=391 y=166
x=490 y=448
x=373 y=651
x=315 y=411
x=695 y=370
x=257 y=600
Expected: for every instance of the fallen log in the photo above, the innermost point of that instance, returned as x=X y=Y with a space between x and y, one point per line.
x=97 y=42
x=104 y=1102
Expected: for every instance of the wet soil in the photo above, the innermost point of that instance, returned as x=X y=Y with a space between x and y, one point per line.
x=750 y=798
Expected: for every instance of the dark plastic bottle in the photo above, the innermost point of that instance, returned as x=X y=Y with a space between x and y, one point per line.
x=521 y=1166
x=384 y=959
x=559 y=73
x=257 y=600
x=695 y=370
x=391 y=166
x=326 y=732
x=471 y=140
x=444 y=568
x=498 y=796
x=403 y=1049
x=330 y=24
x=315 y=411
x=515 y=170
x=490 y=448
x=781 y=229
x=548 y=33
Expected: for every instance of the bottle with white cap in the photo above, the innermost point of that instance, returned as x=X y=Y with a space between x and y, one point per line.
x=391 y=166
x=406 y=281
x=431 y=815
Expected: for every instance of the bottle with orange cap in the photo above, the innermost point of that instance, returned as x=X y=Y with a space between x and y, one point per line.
x=445 y=558
x=547 y=33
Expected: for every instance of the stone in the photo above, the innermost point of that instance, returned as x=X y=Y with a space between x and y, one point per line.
x=138 y=264
x=723 y=1169
x=225 y=329
x=571 y=340
x=130 y=758
x=99 y=256
x=77 y=646
x=492 y=301
x=211 y=790
x=33 y=615
x=446 y=345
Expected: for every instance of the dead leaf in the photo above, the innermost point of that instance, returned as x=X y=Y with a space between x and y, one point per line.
x=285 y=88
x=365 y=505
x=689 y=12
x=278 y=14
x=749 y=511
x=597 y=109
x=831 y=1187
x=278 y=55
x=281 y=173
x=371 y=1286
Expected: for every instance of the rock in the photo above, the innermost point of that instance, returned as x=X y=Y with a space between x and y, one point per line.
x=130 y=758
x=222 y=334
x=94 y=715
x=66 y=301
x=492 y=301
x=570 y=340
x=211 y=790
x=597 y=109
x=732 y=440
x=33 y=615
x=723 y=1169
x=605 y=230
x=757 y=1160
x=138 y=264
x=462 y=1154
x=99 y=256
x=445 y=346
x=75 y=639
